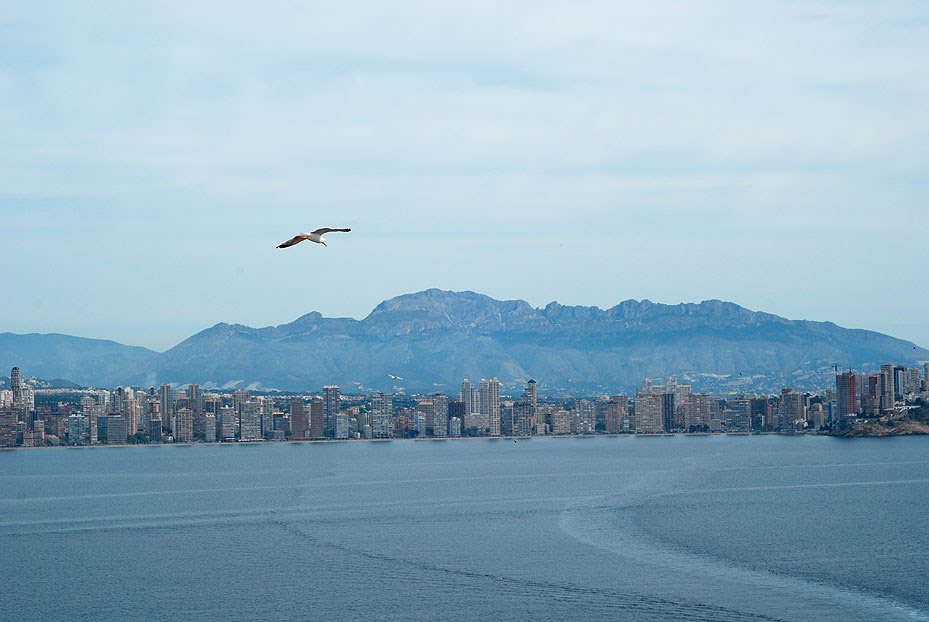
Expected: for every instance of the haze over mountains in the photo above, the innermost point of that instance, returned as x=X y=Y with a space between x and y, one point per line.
x=433 y=339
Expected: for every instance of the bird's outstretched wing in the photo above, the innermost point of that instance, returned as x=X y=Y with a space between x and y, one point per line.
x=326 y=230
x=294 y=240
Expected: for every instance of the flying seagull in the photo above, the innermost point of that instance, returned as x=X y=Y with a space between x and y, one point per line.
x=315 y=236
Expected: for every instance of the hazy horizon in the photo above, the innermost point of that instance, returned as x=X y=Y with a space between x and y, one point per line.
x=770 y=154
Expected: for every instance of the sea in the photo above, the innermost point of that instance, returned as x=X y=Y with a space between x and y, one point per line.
x=704 y=528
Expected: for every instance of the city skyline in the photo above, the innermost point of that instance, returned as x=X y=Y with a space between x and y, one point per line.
x=529 y=151
x=186 y=415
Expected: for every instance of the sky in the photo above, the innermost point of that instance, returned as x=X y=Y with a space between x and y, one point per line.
x=152 y=155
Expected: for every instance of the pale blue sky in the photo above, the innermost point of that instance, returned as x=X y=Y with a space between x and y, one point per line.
x=771 y=153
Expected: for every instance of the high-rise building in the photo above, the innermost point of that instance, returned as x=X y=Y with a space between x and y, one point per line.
x=531 y=394
x=427 y=408
x=697 y=410
x=299 y=419
x=16 y=384
x=440 y=415
x=332 y=403
x=317 y=429
x=794 y=406
x=166 y=397
x=649 y=414
x=381 y=411
x=523 y=417
x=155 y=431
x=468 y=396
x=342 y=425
x=184 y=425
x=888 y=399
x=615 y=413
x=899 y=381
x=668 y=407
x=250 y=420
x=77 y=429
x=926 y=377
x=846 y=394
x=266 y=411
x=195 y=398
x=117 y=431
x=560 y=422
x=587 y=417
x=7 y=427
x=227 y=424
x=209 y=427
x=490 y=404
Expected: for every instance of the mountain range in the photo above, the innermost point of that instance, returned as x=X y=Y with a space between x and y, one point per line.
x=433 y=339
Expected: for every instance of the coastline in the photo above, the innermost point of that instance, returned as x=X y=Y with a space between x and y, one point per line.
x=850 y=433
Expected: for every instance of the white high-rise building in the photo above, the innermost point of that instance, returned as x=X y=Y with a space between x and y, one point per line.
x=587 y=417
x=341 y=426
x=381 y=411
x=250 y=420
x=468 y=397
x=490 y=404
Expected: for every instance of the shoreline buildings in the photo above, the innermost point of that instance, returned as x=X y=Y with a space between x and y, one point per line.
x=192 y=414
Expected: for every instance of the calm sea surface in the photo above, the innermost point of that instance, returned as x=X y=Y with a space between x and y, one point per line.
x=662 y=528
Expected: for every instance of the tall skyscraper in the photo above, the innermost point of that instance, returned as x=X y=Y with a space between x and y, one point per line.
x=490 y=404
x=523 y=418
x=531 y=394
x=468 y=396
x=317 y=429
x=331 y=406
x=195 y=399
x=166 y=396
x=440 y=415
x=381 y=411
x=16 y=384
x=899 y=381
x=887 y=387
x=846 y=394
x=299 y=419
x=250 y=420
x=184 y=426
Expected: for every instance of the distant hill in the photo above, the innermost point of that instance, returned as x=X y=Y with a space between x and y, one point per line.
x=88 y=362
x=433 y=339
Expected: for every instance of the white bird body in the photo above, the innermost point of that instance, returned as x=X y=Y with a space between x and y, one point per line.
x=315 y=236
